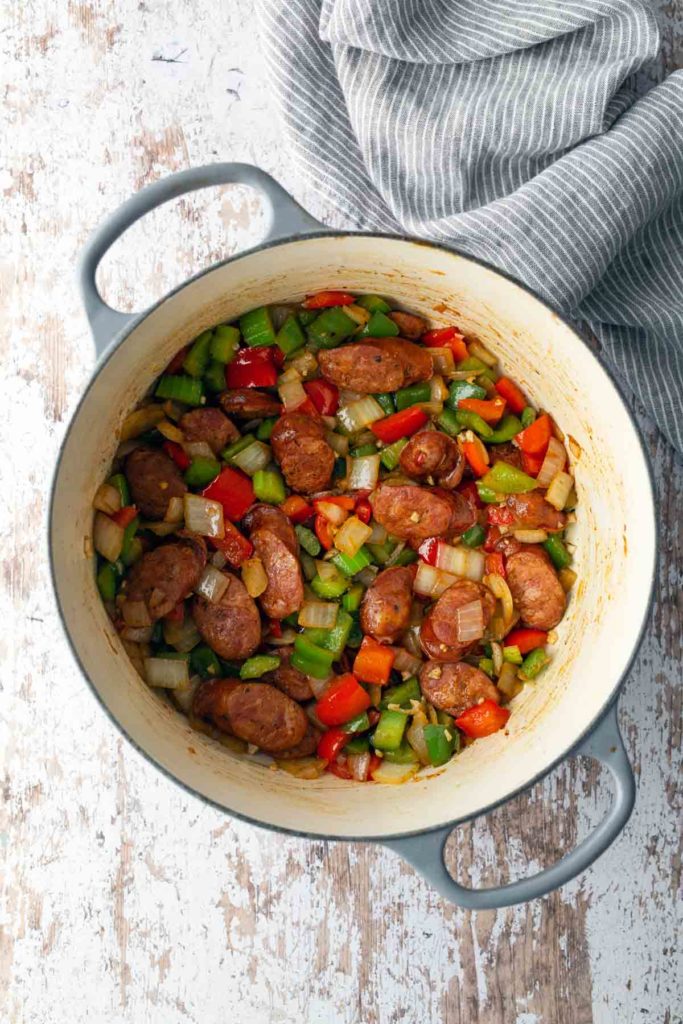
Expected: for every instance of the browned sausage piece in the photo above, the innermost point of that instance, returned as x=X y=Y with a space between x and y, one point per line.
x=433 y=453
x=260 y=714
x=413 y=513
x=415 y=360
x=289 y=679
x=304 y=455
x=211 y=701
x=506 y=452
x=507 y=545
x=153 y=479
x=285 y=591
x=232 y=627
x=305 y=748
x=463 y=512
x=269 y=518
x=209 y=425
x=249 y=403
x=533 y=512
x=366 y=368
x=535 y=588
x=164 y=577
x=455 y=687
x=438 y=633
x=385 y=611
x=409 y=325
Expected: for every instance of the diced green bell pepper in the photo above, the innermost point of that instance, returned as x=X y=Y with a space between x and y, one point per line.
x=512 y=654
x=330 y=589
x=130 y=551
x=201 y=471
x=357 y=745
x=335 y=639
x=505 y=431
x=559 y=555
x=214 y=378
x=406 y=557
x=488 y=495
x=269 y=486
x=290 y=337
x=381 y=553
x=351 y=600
x=204 y=662
x=406 y=397
x=330 y=328
x=386 y=401
x=402 y=693
x=308 y=540
x=528 y=416
x=339 y=468
x=224 y=343
x=439 y=747
x=380 y=326
x=257 y=327
x=473 y=421
x=355 y=637
x=119 y=481
x=507 y=479
x=180 y=388
x=534 y=663
x=373 y=304
x=311 y=659
x=307 y=316
x=391 y=454
x=462 y=389
x=351 y=564
x=107 y=581
x=404 y=754
x=255 y=667
x=237 y=446
x=486 y=665
x=361 y=723
x=473 y=364
x=364 y=449
x=389 y=731
x=448 y=421
x=197 y=359
x=475 y=536
x=265 y=428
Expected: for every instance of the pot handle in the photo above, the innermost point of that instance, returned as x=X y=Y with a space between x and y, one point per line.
x=425 y=852
x=286 y=217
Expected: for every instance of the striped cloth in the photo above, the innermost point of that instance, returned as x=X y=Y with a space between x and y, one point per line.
x=512 y=130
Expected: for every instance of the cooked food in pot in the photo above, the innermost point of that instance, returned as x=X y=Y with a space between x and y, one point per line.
x=335 y=536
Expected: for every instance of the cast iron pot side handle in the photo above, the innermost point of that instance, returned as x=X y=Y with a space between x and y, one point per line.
x=286 y=218
x=425 y=852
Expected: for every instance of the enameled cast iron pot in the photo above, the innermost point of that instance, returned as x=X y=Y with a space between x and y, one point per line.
x=570 y=710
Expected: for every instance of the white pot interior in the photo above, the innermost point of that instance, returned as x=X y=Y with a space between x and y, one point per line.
x=614 y=534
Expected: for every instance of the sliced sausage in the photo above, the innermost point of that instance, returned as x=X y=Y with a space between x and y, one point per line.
x=533 y=512
x=289 y=679
x=454 y=687
x=164 y=577
x=211 y=701
x=366 y=368
x=415 y=513
x=266 y=717
x=438 y=633
x=306 y=459
x=506 y=452
x=249 y=403
x=535 y=588
x=409 y=325
x=209 y=425
x=232 y=626
x=307 y=746
x=153 y=479
x=415 y=360
x=433 y=453
x=385 y=611
x=285 y=591
x=270 y=518
x=463 y=513
x=508 y=545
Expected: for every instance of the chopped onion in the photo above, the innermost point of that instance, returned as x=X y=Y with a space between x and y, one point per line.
x=137 y=634
x=291 y=392
x=182 y=635
x=507 y=680
x=183 y=696
x=203 y=516
x=305 y=364
x=431 y=582
x=170 y=431
x=307 y=564
x=443 y=361
x=497 y=656
x=174 y=512
x=469 y=622
x=174 y=410
x=135 y=613
x=360 y=414
x=287 y=639
x=107 y=537
x=318 y=614
x=337 y=443
x=303 y=767
x=347 y=396
x=431 y=408
x=351 y=536
x=567 y=578
x=137 y=652
x=168 y=673
x=367 y=575
x=218 y=559
x=254 y=457
x=291 y=373
x=530 y=536
x=254 y=576
x=162 y=529
x=107 y=499
x=364 y=473
x=326 y=570
x=319 y=687
x=140 y=421
x=406 y=662
x=199 y=450
x=357 y=314
x=333 y=513
x=480 y=351
x=212 y=584
x=559 y=489
x=359 y=765
x=439 y=391
x=393 y=774
x=411 y=641
x=394 y=556
x=379 y=533
x=553 y=463
x=461 y=561
x=416 y=738
x=500 y=589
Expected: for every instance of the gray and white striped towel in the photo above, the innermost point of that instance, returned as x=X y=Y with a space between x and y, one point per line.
x=512 y=130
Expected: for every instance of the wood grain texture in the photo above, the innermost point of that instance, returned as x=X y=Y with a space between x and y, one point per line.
x=125 y=899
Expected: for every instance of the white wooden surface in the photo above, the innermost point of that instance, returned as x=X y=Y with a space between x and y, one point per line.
x=124 y=899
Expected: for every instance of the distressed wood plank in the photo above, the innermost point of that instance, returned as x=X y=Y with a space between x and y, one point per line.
x=124 y=899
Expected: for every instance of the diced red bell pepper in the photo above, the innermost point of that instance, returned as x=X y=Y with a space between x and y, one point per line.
x=399 y=424
x=364 y=510
x=482 y=719
x=534 y=439
x=252 y=368
x=493 y=535
x=495 y=564
x=428 y=550
x=490 y=410
x=375 y=762
x=233 y=489
x=344 y=699
x=275 y=627
x=125 y=516
x=234 y=545
x=324 y=395
x=308 y=409
x=447 y=337
x=323 y=531
x=476 y=454
x=526 y=639
x=331 y=743
x=323 y=300
x=508 y=390
x=340 y=770
x=176 y=614
x=297 y=508
x=176 y=364
x=531 y=463
x=178 y=454
x=500 y=515
x=344 y=501
x=373 y=662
